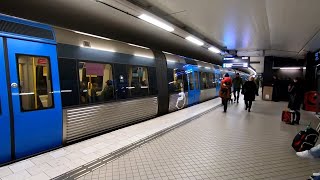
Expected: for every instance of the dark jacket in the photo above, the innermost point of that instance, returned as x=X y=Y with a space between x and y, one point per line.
x=295 y=96
x=249 y=90
x=237 y=83
x=276 y=89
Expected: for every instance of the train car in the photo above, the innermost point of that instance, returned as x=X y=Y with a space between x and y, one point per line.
x=60 y=86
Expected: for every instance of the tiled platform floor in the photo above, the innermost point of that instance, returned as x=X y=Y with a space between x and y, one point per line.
x=55 y=163
x=235 y=145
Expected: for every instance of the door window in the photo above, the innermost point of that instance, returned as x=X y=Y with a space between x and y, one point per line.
x=35 y=86
x=190 y=80
x=196 y=79
x=175 y=78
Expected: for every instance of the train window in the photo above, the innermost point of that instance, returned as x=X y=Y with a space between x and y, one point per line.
x=138 y=84
x=170 y=77
x=175 y=79
x=121 y=80
x=207 y=80
x=95 y=82
x=69 y=82
x=34 y=82
x=196 y=78
x=153 y=90
x=204 y=80
x=211 y=80
x=190 y=80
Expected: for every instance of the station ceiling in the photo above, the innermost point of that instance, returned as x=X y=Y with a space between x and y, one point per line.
x=281 y=27
x=114 y=19
x=287 y=28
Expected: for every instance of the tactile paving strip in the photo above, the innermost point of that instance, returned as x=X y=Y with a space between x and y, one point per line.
x=89 y=167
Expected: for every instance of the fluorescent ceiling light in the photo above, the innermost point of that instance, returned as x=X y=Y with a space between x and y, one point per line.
x=228 y=58
x=145 y=56
x=291 y=68
x=207 y=67
x=227 y=65
x=214 y=49
x=100 y=37
x=168 y=60
x=195 y=40
x=244 y=58
x=156 y=22
x=199 y=66
x=137 y=46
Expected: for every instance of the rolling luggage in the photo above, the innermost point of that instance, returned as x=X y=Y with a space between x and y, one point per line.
x=306 y=139
x=287 y=116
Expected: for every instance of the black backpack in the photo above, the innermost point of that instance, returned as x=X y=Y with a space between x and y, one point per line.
x=306 y=139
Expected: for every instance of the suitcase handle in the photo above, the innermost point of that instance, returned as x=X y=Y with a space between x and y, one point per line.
x=315 y=140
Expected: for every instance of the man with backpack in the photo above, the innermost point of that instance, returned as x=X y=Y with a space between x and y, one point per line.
x=225 y=91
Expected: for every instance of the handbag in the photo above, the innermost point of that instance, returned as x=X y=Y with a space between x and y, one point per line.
x=287 y=116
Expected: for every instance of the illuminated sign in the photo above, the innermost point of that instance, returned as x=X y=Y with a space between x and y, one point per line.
x=236 y=62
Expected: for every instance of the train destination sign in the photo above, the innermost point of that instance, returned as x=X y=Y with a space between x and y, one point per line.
x=236 y=62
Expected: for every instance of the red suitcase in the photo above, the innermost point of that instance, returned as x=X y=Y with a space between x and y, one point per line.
x=287 y=116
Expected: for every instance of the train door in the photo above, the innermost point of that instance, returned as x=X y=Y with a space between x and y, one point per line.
x=193 y=86
x=35 y=94
x=5 y=134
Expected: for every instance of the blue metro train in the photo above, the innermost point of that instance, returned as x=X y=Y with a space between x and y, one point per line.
x=59 y=86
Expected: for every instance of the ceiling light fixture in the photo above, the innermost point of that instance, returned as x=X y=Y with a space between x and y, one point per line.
x=195 y=40
x=214 y=49
x=228 y=58
x=287 y=68
x=156 y=22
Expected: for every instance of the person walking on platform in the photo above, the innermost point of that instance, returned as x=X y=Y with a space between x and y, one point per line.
x=249 y=91
x=295 y=99
x=237 y=84
x=225 y=91
x=276 y=89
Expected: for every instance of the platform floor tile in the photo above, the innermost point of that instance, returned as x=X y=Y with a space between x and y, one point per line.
x=232 y=145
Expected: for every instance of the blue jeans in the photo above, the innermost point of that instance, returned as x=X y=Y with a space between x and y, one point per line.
x=315 y=151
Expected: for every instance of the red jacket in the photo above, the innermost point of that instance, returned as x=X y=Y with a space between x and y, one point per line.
x=225 y=90
x=226 y=80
